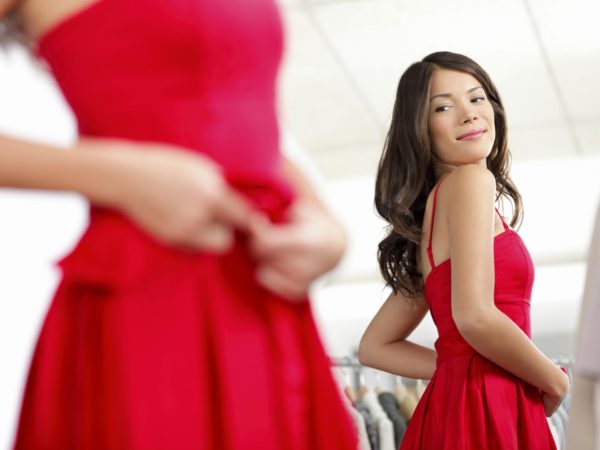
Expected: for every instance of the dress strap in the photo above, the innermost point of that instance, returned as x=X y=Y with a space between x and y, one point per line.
x=429 y=251
x=502 y=219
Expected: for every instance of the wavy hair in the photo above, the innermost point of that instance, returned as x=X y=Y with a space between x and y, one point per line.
x=406 y=174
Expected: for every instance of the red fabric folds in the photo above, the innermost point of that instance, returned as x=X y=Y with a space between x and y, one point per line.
x=149 y=347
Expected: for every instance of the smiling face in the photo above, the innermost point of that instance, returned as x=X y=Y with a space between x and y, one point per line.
x=461 y=119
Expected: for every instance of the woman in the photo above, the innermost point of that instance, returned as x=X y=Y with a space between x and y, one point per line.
x=448 y=250
x=181 y=320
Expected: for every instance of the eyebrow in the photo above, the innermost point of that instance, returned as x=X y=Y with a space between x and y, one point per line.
x=450 y=95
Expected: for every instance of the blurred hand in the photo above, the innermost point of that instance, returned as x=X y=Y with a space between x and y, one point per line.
x=292 y=255
x=552 y=401
x=178 y=197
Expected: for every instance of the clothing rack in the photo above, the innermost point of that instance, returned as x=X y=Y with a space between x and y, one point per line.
x=346 y=361
x=343 y=362
x=357 y=372
x=352 y=362
x=563 y=361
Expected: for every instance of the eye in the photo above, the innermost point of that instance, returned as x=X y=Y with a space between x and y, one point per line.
x=477 y=99
x=442 y=108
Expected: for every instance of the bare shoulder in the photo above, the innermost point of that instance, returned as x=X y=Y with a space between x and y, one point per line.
x=471 y=175
x=470 y=184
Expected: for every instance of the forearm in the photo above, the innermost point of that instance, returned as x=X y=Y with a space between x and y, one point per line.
x=85 y=170
x=499 y=339
x=402 y=358
x=300 y=182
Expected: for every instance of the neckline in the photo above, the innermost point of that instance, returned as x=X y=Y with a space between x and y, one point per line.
x=445 y=262
x=68 y=19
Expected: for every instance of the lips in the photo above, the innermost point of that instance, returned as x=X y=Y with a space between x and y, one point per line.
x=473 y=134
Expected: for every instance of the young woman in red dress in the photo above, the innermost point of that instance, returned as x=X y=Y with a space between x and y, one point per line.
x=449 y=251
x=181 y=320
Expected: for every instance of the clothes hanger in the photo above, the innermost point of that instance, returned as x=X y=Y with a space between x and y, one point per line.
x=378 y=389
x=400 y=390
x=362 y=385
x=421 y=386
x=348 y=388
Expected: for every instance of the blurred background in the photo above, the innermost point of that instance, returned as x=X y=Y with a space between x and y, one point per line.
x=337 y=87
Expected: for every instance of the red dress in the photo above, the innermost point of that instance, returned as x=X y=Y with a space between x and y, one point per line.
x=144 y=346
x=471 y=403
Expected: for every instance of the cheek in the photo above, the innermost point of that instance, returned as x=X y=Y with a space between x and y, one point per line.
x=490 y=115
x=436 y=129
x=439 y=133
x=492 y=123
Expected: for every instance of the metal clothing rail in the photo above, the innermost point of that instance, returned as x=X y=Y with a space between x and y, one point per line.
x=346 y=361
x=358 y=370
x=352 y=361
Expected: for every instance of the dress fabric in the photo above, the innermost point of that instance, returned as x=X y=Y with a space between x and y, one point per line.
x=470 y=402
x=149 y=347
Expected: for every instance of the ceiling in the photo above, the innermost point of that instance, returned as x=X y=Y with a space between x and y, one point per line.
x=344 y=59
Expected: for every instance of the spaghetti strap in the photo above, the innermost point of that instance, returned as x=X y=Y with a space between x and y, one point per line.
x=429 y=251
x=502 y=219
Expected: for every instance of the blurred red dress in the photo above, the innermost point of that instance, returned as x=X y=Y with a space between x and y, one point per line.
x=146 y=347
x=472 y=403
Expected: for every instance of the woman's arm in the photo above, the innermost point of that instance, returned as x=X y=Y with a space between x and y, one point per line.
x=471 y=191
x=293 y=254
x=178 y=197
x=384 y=345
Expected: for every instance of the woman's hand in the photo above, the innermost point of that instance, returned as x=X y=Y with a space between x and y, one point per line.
x=293 y=254
x=178 y=197
x=552 y=401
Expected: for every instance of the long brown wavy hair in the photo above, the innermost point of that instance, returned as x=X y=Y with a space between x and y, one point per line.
x=406 y=173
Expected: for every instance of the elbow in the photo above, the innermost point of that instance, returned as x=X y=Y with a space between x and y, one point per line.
x=473 y=326
x=369 y=350
x=364 y=351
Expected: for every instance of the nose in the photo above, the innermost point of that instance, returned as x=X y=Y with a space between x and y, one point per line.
x=469 y=114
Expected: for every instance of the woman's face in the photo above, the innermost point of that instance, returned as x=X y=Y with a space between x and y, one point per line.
x=461 y=119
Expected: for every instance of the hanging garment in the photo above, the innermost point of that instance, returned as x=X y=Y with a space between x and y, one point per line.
x=146 y=346
x=370 y=423
x=420 y=388
x=557 y=423
x=407 y=401
x=385 y=428
x=583 y=430
x=472 y=403
x=390 y=406
x=361 y=428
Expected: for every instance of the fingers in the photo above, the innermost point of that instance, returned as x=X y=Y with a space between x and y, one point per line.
x=551 y=404
x=270 y=240
x=232 y=208
x=295 y=253
x=215 y=237
x=230 y=212
x=281 y=284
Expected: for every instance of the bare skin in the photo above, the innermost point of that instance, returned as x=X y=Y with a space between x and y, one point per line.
x=144 y=178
